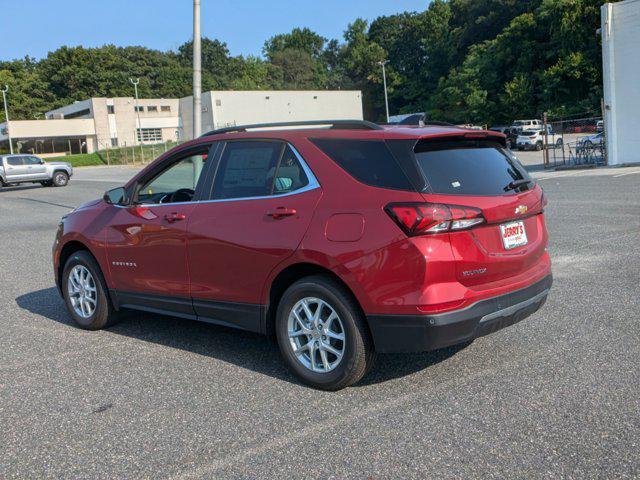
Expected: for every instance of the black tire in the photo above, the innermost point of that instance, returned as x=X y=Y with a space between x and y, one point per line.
x=60 y=179
x=359 y=354
x=104 y=314
x=538 y=146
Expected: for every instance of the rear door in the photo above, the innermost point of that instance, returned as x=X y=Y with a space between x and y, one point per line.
x=261 y=203
x=485 y=176
x=15 y=168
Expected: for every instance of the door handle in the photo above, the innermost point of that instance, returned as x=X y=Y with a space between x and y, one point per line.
x=281 y=212
x=174 y=217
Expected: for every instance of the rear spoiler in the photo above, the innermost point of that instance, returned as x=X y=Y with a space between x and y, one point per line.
x=466 y=135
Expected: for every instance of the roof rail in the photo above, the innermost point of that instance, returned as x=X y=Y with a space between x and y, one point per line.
x=334 y=124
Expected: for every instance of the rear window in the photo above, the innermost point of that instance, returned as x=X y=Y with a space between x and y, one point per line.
x=470 y=170
x=368 y=161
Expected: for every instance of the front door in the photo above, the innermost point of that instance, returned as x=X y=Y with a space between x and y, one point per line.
x=146 y=241
x=36 y=169
x=263 y=198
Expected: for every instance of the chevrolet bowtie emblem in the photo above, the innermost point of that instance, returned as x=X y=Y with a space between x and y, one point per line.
x=521 y=209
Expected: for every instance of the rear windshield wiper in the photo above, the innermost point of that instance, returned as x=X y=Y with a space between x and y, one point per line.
x=517 y=183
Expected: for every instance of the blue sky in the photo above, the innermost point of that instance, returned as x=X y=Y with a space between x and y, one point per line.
x=35 y=27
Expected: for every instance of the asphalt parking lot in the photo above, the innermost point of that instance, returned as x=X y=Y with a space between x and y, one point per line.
x=557 y=395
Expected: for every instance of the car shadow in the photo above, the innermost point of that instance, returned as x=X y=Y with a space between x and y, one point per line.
x=17 y=188
x=244 y=349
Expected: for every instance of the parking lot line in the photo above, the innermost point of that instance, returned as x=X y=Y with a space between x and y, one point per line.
x=625 y=174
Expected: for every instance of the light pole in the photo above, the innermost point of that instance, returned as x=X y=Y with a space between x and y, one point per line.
x=139 y=127
x=6 y=116
x=197 y=72
x=384 y=80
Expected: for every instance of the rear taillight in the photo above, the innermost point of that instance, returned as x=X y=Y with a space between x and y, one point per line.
x=422 y=218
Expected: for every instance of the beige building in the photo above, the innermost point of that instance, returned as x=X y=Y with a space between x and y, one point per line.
x=95 y=124
x=100 y=123
x=119 y=122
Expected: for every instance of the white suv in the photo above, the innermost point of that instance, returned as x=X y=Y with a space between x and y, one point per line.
x=530 y=140
x=527 y=124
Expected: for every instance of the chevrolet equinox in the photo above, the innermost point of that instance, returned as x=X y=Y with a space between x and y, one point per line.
x=341 y=239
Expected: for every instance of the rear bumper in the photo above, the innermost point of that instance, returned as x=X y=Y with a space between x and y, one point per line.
x=419 y=333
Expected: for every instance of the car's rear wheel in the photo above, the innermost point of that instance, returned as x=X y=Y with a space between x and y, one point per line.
x=85 y=292
x=322 y=333
x=538 y=146
x=60 y=179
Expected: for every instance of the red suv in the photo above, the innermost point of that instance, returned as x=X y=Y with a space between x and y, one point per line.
x=341 y=239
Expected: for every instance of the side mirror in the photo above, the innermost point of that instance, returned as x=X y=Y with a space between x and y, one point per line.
x=116 y=196
x=41 y=162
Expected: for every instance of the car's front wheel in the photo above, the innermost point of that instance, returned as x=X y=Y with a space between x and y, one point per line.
x=60 y=179
x=85 y=292
x=322 y=334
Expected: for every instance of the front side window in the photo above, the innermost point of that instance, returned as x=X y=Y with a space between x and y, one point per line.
x=31 y=161
x=177 y=183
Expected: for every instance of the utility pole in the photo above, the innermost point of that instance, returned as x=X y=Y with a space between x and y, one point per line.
x=197 y=72
x=139 y=126
x=384 y=80
x=6 y=116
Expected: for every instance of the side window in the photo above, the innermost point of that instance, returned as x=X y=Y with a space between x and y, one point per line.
x=368 y=161
x=247 y=169
x=15 y=161
x=176 y=183
x=289 y=176
x=31 y=161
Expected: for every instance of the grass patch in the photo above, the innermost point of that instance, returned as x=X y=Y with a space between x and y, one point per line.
x=80 y=160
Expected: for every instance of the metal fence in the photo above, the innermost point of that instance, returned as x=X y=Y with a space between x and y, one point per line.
x=574 y=141
x=138 y=154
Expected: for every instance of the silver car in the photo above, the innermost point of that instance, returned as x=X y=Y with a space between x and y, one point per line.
x=26 y=168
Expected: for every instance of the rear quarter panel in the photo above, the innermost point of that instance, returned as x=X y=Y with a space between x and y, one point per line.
x=373 y=256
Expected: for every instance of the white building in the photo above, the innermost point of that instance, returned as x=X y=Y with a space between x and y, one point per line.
x=100 y=123
x=230 y=108
x=621 y=74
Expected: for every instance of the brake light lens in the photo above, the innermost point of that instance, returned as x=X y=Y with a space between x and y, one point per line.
x=424 y=218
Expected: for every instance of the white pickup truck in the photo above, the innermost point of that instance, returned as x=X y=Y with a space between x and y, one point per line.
x=26 y=168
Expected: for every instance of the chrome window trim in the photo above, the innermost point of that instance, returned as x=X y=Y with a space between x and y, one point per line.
x=312 y=185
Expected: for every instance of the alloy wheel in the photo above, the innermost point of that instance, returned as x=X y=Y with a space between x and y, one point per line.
x=81 y=288
x=316 y=334
x=61 y=179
